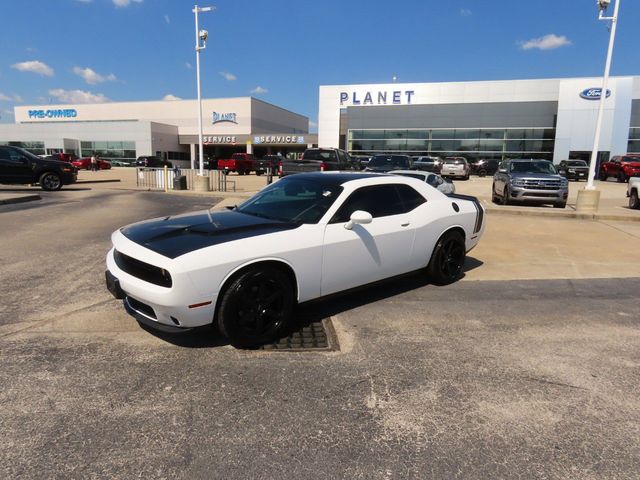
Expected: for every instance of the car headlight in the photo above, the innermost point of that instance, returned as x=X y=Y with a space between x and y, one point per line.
x=572 y=170
x=518 y=182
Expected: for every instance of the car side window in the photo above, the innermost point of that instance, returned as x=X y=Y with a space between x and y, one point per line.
x=10 y=155
x=410 y=198
x=378 y=200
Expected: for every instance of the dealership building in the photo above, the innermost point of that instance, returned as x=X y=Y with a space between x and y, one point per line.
x=553 y=119
x=167 y=129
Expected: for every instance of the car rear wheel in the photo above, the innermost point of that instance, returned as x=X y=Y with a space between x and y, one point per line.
x=447 y=259
x=256 y=307
x=634 y=201
x=621 y=177
x=50 y=181
x=603 y=176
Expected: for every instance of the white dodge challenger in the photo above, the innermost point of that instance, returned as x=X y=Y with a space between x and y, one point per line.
x=303 y=237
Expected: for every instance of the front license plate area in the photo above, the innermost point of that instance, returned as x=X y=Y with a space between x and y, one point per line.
x=113 y=285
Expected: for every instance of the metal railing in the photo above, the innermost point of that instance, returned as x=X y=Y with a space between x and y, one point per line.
x=163 y=178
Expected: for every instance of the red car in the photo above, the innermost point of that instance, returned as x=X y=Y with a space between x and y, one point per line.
x=85 y=164
x=622 y=167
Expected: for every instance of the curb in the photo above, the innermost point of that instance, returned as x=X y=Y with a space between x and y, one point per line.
x=117 y=180
x=20 y=199
x=559 y=214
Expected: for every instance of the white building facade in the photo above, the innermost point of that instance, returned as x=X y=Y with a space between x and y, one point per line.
x=167 y=129
x=550 y=118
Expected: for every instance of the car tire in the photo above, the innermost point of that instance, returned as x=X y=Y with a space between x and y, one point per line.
x=634 y=201
x=494 y=197
x=50 y=181
x=482 y=173
x=560 y=205
x=603 y=176
x=621 y=177
x=505 y=196
x=258 y=173
x=447 y=259
x=256 y=307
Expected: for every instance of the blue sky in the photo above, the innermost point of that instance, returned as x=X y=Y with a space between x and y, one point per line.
x=281 y=51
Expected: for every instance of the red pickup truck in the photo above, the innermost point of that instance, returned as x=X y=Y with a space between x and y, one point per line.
x=622 y=167
x=242 y=163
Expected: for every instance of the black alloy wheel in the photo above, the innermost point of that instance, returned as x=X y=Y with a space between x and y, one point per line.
x=50 y=181
x=634 y=201
x=256 y=307
x=447 y=260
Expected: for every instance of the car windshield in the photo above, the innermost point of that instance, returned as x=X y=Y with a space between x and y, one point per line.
x=319 y=155
x=454 y=161
x=577 y=163
x=292 y=200
x=541 y=166
x=395 y=161
x=631 y=159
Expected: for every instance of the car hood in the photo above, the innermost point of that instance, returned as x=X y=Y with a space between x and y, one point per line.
x=632 y=164
x=176 y=235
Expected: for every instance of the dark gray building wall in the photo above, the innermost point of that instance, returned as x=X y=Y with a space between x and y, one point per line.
x=635 y=113
x=470 y=115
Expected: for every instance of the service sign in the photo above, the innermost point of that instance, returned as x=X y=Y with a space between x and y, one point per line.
x=278 y=139
x=55 y=113
x=226 y=139
x=593 y=93
x=223 y=117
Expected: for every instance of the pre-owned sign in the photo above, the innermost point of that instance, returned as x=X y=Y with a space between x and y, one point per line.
x=56 y=113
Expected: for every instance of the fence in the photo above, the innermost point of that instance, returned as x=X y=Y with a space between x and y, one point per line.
x=161 y=179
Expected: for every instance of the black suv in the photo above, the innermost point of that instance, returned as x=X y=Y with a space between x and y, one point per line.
x=483 y=167
x=317 y=160
x=149 y=161
x=18 y=166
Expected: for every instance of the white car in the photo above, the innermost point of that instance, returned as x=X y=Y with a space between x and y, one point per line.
x=433 y=179
x=455 y=167
x=303 y=237
x=633 y=192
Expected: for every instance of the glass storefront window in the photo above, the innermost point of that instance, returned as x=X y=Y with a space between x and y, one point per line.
x=633 y=146
x=120 y=150
x=634 y=133
x=443 y=134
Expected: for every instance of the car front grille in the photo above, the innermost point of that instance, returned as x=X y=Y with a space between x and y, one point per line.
x=541 y=184
x=142 y=270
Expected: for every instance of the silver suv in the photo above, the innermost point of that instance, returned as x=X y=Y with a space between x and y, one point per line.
x=455 y=167
x=535 y=181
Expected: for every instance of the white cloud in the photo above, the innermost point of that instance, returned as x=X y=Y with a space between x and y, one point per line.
x=170 y=97
x=228 y=76
x=92 y=77
x=84 y=1
x=548 y=42
x=312 y=124
x=18 y=99
x=77 y=96
x=465 y=12
x=125 y=3
x=34 y=66
x=167 y=19
x=187 y=64
x=258 y=90
x=4 y=98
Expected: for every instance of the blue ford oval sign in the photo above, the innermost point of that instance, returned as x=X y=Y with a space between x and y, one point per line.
x=593 y=93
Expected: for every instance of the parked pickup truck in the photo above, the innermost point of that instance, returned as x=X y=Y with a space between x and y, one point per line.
x=622 y=167
x=633 y=191
x=242 y=163
x=317 y=160
x=262 y=165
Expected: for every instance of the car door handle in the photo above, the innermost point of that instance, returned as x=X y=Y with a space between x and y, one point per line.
x=405 y=224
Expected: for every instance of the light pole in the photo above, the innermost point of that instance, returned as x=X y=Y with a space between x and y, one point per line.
x=589 y=198
x=201 y=44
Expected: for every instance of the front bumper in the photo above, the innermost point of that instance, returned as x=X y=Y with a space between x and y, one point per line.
x=160 y=307
x=69 y=177
x=578 y=175
x=519 y=194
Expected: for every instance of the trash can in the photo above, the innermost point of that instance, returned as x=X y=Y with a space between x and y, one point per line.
x=180 y=182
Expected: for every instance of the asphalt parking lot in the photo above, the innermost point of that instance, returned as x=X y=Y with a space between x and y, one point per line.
x=528 y=367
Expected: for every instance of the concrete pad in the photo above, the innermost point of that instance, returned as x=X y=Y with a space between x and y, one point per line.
x=519 y=248
x=9 y=198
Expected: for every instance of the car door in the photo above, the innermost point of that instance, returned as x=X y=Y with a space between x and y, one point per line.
x=371 y=252
x=14 y=167
x=499 y=179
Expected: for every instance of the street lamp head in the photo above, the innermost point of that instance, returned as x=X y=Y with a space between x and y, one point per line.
x=603 y=4
x=203 y=34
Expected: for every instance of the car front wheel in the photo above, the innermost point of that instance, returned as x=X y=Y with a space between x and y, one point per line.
x=50 y=181
x=256 y=307
x=634 y=201
x=603 y=176
x=447 y=259
x=505 y=196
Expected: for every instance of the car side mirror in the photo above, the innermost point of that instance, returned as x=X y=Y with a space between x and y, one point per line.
x=358 y=217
